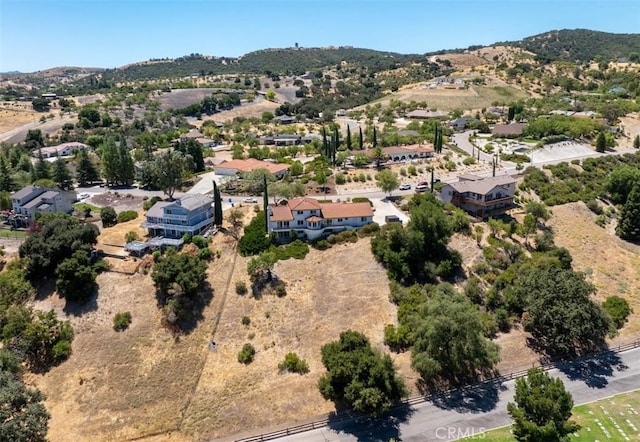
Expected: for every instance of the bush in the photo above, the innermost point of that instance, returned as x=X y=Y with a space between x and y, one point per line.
x=241 y=288
x=281 y=290
x=296 y=250
x=108 y=216
x=131 y=236
x=61 y=351
x=246 y=355
x=361 y=199
x=200 y=241
x=502 y=319
x=255 y=239
x=362 y=177
x=469 y=161
x=412 y=170
x=156 y=255
x=127 y=215
x=340 y=178
x=205 y=254
x=121 y=321
x=292 y=363
x=618 y=308
x=149 y=203
x=450 y=165
x=368 y=230
x=403 y=171
x=246 y=321
x=321 y=244
x=595 y=207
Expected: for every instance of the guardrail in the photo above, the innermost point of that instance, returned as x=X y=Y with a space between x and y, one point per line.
x=414 y=400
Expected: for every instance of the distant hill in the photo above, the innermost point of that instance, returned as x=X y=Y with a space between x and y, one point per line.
x=581 y=45
x=277 y=61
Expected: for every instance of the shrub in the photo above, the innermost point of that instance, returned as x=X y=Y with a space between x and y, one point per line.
x=618 y=308
x=127 y=215
x=246 y=355
x=595 y=207
x=131 y=236
x=281 y=290
x=241 y=288
x=149 y=203
x=368 y=230
x=321 y=244
x=369 y=177
x=121 y=321
x=450 y=165
x=361 y=199
x=205 y=254
x=108 y=216
x=292 y=363
x=156 y=255
x=403 y=171
x=412 y=170
x=502 y=319
x=469 y=161
x=200 y=241
x=246 y=321
x=362 y=177
x=340 y=178
x=186 y=238
x=61 y=351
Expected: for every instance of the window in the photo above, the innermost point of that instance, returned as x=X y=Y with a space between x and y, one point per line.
x=329 y=222
x=300 y=222
x=339 y=220
x=168 y=211
x=286 y=223
x=363 y=219
x=299 y=212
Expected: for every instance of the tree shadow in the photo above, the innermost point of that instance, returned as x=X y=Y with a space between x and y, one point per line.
x=192 y=309
x=372 y=429
x=478 y=398
x=79 y=308
x=593 y=370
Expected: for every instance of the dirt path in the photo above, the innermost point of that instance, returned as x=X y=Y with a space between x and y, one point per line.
x=18 y=134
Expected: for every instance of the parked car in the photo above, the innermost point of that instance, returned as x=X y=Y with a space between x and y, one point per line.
x=405 y=187
x=422 y=187
x=83 y=196
x=250 y=200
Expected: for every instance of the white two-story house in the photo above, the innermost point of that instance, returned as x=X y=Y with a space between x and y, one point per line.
x=480 y=197
x=310 y=219
x=192 y=214
x=32 y=200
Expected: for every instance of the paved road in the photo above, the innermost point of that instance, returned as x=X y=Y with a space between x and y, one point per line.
x=484 y=407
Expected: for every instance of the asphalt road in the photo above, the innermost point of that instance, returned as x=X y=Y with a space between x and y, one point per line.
x=483 y=407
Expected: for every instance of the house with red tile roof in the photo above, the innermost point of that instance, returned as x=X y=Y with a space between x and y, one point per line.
x=312 y=219
x=235 y=167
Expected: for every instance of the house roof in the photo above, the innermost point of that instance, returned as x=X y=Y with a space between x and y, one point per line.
x=156 y=211
x=193 y=133
x=346 y=210
x=195 y=201
x=414 y=148
x=303 y=204
x=508 y=129
x=314 y=219
x=482 y=186
x=25 y=191
x=281 y=213
x=252 y=164
x=408 y=133
x=287 y=118
x=61 y=147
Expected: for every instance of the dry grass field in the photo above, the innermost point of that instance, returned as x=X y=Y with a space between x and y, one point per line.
x=611 y=264
x=11 y=119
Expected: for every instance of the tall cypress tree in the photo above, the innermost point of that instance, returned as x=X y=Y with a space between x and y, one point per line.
x=361 y=140
x=601 y=143
x=217 y=205
x=86 y=171
x=336 y=144
x=348 y=137
x=42 y=170
x=493 y=162
x=629 y=224
x=61 y=175
x=432 y=180
x=265 y=203
x=6 y=183
x=325 y=143
x=375 y=137
x=126 y=169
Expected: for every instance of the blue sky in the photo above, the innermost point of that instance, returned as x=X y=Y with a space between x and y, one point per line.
x=39 y=34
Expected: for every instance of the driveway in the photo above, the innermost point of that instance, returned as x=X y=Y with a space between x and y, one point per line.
x=384 y=207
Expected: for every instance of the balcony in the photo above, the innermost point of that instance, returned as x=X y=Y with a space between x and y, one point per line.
x=460 y=200
x=180 y=227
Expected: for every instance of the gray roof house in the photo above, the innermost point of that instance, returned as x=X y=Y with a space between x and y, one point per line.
x=32 y=200
x=192 y=214
x=480 y=197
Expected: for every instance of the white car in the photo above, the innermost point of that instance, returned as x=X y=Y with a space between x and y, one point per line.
x=83 y=196
x=250 y=200
x=422 y=187
x=405 y=187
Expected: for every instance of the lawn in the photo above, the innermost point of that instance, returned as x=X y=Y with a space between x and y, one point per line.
x=615 y=418
x=13 y=234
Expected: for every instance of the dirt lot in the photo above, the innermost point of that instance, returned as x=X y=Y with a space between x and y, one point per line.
x=119 y=200
x=248 y=110
x=611 y=264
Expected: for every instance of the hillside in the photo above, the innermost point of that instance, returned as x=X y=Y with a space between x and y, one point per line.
x=258 y=62
x=581 y=45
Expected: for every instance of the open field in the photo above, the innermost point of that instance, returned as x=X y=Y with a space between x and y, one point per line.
x=11 y=119
x=611 y=264
x=247 y=110
x=615 y=418
x=475 y=97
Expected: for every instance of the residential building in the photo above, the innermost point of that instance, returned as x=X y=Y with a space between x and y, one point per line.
x=422 y=114
x=32 y=200
x=61 y=150
x=286 y=139
x=195 y=134
x=235 y=167
x=192 y=214
x=405 y=153
x=285 y=119
x=480 y=197
x=310 y=219
x=459 y=123
x=508 y=130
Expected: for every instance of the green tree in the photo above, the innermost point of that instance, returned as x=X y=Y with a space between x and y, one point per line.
x=76 y=279
x=126 y=169
x=542 y=409
x=359 y=376
x=529 y=226
x=86 y=172
x=618 y=309
x=33 y=140
x=108 y=216
x=217 y=205
x=387 y=181
x=620 y=181
x=560 y=314
x=270 y=95
x=348 y=141
x=378 y=155
x=628 y=227
x=236 y=219
x=360 y=139
x=538 y=210
x=255 y=239
x=296 y=169
x=42 y=170
x=449 y=341
x=321 y=179
x=179 y=274
x=601 y=142
x=266 y=117
x=636 y=142
x=23 y=416
x=110 y=162
x=169 y=169
x=61 y=175
x=6 y=182
x=193 y=150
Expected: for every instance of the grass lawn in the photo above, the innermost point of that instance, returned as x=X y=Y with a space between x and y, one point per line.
x=616 y=418
x=80 y=207
x=13 y=234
